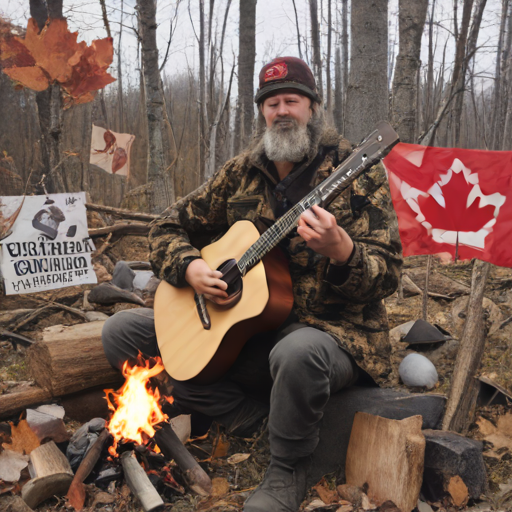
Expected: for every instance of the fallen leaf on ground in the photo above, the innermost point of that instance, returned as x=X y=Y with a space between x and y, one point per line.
x=220 y=487
x=327 y=495
x=498 y=436
x=23 y=439
x=221 y=448
x=314 y=505
x=345 y=508
x=102 y=498
x=505 y=425
x=238 y=457
x=458 y=491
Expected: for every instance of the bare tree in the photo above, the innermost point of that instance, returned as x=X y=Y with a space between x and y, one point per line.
x=328 y=103
x=338 y=92
x=315 y=43
x=246 y=60
x=202 y=94
x=49 y=106
x=405 y=91
x=298 y=29
x=160 y=190
x=367 y=95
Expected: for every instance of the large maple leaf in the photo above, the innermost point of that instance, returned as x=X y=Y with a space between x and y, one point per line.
x=54 y=55
x=455 y=210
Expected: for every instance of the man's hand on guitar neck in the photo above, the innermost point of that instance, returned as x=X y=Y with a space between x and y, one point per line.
x=205 y=281
x=320 y=231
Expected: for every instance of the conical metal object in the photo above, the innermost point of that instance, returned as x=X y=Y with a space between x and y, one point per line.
x=424 y=332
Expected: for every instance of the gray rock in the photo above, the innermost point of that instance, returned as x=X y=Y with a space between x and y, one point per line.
x=82 y=441
x=141 y=279
x=123 y=276
x=336 y=427
x=448 y=454
x=108 y=293
x=417 y=371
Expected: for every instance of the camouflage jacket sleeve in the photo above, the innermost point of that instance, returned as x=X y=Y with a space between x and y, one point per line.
x=189 y=224
x=373 y=270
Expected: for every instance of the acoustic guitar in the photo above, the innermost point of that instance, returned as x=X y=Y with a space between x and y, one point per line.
x=200 y=341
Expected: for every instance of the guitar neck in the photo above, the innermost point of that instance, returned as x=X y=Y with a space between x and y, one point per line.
x=375 y=147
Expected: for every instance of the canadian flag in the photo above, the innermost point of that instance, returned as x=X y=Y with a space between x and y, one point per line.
x=453 y=201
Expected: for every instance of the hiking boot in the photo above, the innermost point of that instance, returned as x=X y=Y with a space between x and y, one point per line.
x=283 y=488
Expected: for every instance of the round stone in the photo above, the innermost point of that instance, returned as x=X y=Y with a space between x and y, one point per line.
x=417 y=371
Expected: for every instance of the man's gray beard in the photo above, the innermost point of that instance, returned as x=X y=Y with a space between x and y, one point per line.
x=287 y=145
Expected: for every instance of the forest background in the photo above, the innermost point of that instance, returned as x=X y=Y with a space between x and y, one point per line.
x=439 y=70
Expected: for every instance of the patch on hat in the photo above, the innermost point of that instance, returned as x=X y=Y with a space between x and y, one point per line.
x=277 y=71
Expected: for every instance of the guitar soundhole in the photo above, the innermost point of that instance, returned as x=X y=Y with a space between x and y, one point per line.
x=231 y=275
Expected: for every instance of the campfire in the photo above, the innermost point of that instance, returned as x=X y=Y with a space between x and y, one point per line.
x=136 y=406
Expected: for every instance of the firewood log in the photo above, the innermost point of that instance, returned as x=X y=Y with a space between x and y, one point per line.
x=53 y=475
x=388 y=457
x=140 y=484
x=70 y=359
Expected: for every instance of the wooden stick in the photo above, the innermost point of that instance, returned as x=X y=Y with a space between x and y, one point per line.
x=139 y=483
x=425 y=290
x=135 y=229
x=464 y=389
x=173 y=448
x=120 y=212
x=34 y=314
x=76 y=493
x=102 y=249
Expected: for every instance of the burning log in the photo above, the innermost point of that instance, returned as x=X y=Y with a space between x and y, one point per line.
x=52 y=475
x=173 y=448
x=140 y=484
x=76 y=493
x=136 y=394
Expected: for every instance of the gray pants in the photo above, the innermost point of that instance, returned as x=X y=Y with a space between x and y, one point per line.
x=296 y=368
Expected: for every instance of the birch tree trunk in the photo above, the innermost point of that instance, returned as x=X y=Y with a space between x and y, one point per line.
x=411 y=20
x=160 y=192
x=49 y=107
x=246 y=60
x=367 y=95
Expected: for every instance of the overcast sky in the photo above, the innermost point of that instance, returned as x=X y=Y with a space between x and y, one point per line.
x=275 y=32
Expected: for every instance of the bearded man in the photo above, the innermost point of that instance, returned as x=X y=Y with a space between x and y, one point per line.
x=343 y=261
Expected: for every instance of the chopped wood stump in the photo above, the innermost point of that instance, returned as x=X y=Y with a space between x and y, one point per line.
x=387 y=455
x=53 y=475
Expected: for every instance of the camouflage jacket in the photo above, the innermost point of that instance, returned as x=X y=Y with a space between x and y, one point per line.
x=345 y=301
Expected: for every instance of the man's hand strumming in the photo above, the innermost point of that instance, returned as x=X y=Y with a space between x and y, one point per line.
x=319 y=230
x=205 y=281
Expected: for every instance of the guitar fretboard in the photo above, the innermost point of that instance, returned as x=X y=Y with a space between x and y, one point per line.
x=272 y=236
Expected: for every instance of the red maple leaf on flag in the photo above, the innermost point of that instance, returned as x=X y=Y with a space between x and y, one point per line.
x=454 y=214
x=453 y=201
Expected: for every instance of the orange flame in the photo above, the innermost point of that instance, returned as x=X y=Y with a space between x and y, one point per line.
x=136 y=408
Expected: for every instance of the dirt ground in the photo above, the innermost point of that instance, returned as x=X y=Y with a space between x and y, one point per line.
x=234 y=481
